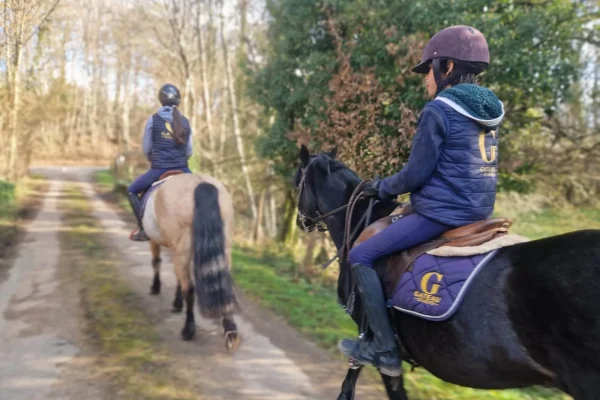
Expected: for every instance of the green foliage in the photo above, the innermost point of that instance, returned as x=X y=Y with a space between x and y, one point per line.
x=319 y=49
x=508 y=182
x=7 y=194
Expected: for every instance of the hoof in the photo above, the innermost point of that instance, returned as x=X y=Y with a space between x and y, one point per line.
x=188 y=333
x=155 y=290
x=232 y=341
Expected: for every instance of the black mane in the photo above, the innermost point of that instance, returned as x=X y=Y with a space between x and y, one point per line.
x=329 y=165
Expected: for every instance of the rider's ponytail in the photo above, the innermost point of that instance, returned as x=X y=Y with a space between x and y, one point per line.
x=178 y=132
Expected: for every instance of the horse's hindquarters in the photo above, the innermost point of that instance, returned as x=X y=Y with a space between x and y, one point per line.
x=555 y=307
x=478 y=346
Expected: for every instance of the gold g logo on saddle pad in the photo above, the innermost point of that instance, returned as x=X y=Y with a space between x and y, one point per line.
x=427 y=294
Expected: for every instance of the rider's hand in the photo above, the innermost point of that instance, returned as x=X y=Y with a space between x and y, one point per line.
x=371 y=189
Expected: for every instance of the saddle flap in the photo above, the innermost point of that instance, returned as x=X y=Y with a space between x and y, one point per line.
x=170 y=173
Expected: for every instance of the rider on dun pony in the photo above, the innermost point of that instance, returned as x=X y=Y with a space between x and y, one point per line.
x=451 y=175
x=189 y=214
x=167 y=144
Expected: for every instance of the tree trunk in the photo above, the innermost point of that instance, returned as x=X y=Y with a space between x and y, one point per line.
x=205 y=82
x=236 y=123
x=125 y=133
x=307 y=263
x=273 y=212
x=258 y=228
x=7 y=48
x=288 y=225
x=14 y=114
x=116 y=116
x=71 y=122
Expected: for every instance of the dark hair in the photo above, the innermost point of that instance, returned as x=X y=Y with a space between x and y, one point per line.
x=463 y=72
x=178 y=131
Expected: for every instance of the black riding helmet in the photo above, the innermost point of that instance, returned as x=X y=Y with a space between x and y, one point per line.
x=169 y=95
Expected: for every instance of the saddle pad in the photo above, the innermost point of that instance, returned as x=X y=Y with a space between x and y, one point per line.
x=498 y=243
x=147 y=194
x=435 y=286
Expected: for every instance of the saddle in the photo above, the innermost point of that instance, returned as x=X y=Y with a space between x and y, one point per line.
x=162 y=178
x=170 y=173
x=474 y=234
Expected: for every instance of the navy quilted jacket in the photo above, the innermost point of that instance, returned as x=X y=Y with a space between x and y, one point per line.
x=452 y=169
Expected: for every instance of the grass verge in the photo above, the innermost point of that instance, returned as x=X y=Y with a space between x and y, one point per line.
x=132 y=356
x=550 y=222
x=18 y=203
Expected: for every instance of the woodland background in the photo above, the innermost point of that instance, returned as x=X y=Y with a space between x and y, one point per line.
x=79 y=78
x=259 y=77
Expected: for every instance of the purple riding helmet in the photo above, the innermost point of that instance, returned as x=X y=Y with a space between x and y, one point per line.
x=463 y=44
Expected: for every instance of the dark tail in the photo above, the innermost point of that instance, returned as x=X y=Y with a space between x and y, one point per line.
x=214 y=285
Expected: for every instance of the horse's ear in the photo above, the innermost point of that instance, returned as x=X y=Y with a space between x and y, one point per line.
x=304 y=155
x=333 y=152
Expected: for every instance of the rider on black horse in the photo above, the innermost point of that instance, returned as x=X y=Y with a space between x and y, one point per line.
x=450 y=174
x=167 y=144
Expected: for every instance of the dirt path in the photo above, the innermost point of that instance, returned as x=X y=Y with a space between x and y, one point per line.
x=273 y=362
x=41 y=349
x=43 y=354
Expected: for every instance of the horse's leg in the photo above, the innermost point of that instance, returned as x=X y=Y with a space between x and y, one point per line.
x=349 y=384
x=178 y=301
x=181 y=260
x=232 y=339
x=156 y=261
x=394 y=386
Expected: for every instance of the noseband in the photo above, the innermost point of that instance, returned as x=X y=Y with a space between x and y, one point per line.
x=310 y=223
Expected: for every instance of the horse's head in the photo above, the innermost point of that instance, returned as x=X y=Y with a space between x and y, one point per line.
x=324 y=185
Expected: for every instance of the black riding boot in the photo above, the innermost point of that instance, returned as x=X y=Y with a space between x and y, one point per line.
x=140 y=235
x=382 y=351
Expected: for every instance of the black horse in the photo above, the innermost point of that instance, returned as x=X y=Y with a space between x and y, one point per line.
x=531 y=316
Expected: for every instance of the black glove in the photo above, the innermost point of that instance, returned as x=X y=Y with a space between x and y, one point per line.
x=371 y=189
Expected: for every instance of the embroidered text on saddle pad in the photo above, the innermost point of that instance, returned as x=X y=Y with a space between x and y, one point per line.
x=435 y=286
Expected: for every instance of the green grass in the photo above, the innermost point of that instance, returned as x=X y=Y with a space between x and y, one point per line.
x=106 y=183
x=555 y=222
x=105 y=180
x=132 y=357
x=534 y=221
x=311 y=308
x=15 y=200
x=8 y=209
